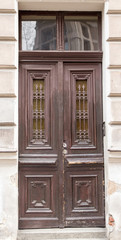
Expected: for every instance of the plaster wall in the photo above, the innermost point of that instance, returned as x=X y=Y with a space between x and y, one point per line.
x=113 y=117
x=8 y=120
x=9 y=106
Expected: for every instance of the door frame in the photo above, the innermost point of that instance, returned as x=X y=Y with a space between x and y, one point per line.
x=61 y=56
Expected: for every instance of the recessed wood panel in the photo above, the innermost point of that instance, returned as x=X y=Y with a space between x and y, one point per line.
x=39 y=194
x=83 y=193
x=84 y=188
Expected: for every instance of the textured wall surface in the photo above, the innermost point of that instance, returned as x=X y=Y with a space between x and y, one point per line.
x=9 y=106
x=8 y=120
x=114 y=117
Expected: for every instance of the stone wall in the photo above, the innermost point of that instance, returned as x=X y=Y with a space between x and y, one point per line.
x=8 y=119
x=114 y=117
x=9 y=107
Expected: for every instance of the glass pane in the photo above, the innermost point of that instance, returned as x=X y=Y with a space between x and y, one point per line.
x=81 y=111
x=38 y=33
x=38 y=112
x=81 y=33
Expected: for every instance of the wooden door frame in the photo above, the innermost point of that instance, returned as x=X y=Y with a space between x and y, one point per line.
x=59 y=56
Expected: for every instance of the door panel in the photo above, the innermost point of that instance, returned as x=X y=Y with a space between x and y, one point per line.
x=83 y=157
x=61 y=145
x=39 y=197
x=38 y=109
x=82 y=99
x=84 y=202
x=38 y=156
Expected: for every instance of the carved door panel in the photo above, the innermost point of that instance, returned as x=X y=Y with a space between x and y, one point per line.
x=61 y=148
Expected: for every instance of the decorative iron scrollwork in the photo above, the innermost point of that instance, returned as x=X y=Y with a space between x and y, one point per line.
x=81 y=112
x=38 y=112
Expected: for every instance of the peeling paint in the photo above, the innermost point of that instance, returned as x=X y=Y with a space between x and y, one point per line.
x=111 y=220
x=113 y=187
x=111 y=225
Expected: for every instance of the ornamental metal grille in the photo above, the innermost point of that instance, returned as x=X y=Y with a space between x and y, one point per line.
x=38 y=111
x=81 y=111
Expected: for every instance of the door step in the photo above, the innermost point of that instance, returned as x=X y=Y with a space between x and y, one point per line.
x=63 y=234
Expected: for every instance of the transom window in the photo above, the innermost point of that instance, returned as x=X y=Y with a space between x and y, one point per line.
x=60 y=31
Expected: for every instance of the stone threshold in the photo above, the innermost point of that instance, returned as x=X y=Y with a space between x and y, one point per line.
x=63 y=234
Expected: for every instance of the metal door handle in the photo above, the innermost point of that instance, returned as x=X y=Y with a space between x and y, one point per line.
x=64 y=148
x=64 y=145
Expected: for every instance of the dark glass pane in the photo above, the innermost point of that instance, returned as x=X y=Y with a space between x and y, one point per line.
x=38 y=33
x=38 y=111
x=81 y=33
x=85 y=31
x=87 y=45
x=81 y=111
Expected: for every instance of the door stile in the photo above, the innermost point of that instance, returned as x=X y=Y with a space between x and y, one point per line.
x=60 y=140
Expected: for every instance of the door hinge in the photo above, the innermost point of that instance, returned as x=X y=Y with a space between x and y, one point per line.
x=104 y=130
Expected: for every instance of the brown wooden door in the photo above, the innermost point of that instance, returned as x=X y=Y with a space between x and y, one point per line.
x=83 y=137
x=61 y=142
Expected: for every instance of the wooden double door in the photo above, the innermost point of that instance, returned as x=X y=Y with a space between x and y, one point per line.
x=61 y=141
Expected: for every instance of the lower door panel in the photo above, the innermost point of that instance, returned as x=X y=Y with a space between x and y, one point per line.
x=38 y=198
x=83 y=202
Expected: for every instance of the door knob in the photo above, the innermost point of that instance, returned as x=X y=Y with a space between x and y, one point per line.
x=64 y=148
x=64 y=145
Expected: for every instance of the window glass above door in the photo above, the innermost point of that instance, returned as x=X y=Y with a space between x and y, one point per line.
x=38 y=33
x=81 y=33
x=60 y=31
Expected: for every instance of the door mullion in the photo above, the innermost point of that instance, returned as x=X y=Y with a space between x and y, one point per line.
x=60 y=136
x=60 y=32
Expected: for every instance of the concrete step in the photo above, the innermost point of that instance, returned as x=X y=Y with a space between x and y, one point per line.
x=63 y=234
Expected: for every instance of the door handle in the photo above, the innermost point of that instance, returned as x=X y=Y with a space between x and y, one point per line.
x=64 y=145
x=64 y=148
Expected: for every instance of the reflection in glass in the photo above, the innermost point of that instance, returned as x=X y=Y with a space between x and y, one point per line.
x=81 y=33
x=38 y=33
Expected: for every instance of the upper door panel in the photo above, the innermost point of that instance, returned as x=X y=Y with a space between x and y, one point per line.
x=83 y=109
x=38 y=109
